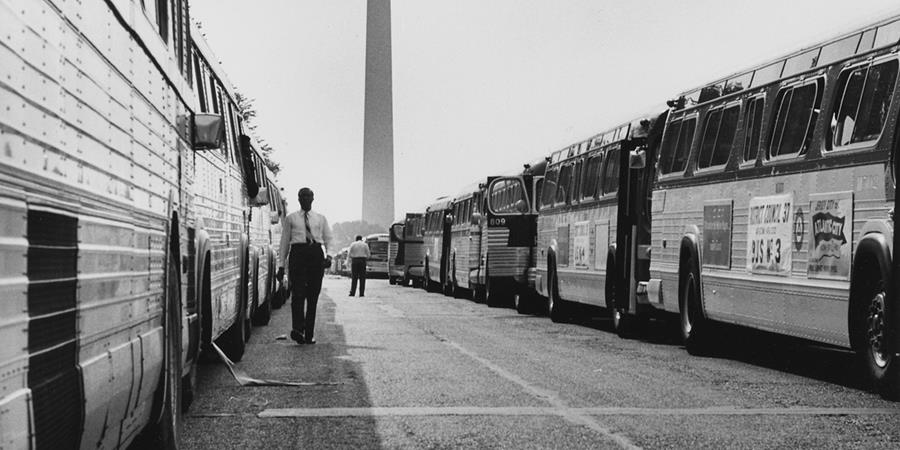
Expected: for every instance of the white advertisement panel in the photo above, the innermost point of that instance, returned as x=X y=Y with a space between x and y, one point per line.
x=582 y=244
x=601 y=245
x=769 y=234
x=831 y=228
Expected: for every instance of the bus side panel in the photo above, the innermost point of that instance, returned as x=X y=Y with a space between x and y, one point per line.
x=795 y=303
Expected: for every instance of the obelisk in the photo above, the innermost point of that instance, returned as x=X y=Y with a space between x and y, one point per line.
x=378 y=133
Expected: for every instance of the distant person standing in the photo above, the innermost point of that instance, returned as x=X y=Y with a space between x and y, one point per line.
x=358 y=254
x=305 y=237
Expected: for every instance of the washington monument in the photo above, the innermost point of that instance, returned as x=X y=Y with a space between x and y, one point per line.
x=378 y=134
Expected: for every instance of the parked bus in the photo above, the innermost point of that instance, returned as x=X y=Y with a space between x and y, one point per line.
x=413 y=248
x=773 y=203
x=125 y=217
x=509 y=244
x=377 y=264
x=436 y=240
x=579 y=220
x=405 y=252
x=396 y=268
x=464 y=258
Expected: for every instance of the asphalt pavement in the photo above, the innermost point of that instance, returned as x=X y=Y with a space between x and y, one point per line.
x=402 y=368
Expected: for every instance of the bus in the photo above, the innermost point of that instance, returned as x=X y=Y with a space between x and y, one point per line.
x=436 y=240
x=774 y=198
x=377 y=263
x=509 y=248
x=125 y=221
x=579 y=221
x=464 y=257
x=396 y=268
x=413 y=248
x=406 y=252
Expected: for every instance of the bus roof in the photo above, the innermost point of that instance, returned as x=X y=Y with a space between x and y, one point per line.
x=440 y=204
x=881 y=34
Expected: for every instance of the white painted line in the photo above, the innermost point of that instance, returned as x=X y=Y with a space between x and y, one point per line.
x=561 y=407
x=427 y=411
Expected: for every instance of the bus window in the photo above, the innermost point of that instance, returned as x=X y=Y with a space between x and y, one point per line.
x=591 y=176
x=577 y=182
x=797 y=108
x=718 y=137
x=611 y=173
x=563 y=185
x=538 y=189
x=549 y=189
x=677 y=145
x=865 y=100
x=753 y=127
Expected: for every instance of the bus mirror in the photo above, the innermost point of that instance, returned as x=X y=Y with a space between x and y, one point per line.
x=209 y=131
x=476 y=219
x=637 y=159
x=448 y=219
x=522 y=206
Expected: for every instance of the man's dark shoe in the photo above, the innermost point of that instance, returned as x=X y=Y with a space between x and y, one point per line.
x=310 y=340
x=352 y=294
x=297 y=337
x=362 y=295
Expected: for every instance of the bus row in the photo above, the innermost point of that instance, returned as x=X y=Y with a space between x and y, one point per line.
x=138 y=221
x=376 y=265
x=762 y=199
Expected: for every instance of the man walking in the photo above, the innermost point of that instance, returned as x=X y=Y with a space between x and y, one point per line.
x=359 y=253
x=305 y=238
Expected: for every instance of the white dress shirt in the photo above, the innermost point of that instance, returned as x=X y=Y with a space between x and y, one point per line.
x=293 y=231
x=359 y=249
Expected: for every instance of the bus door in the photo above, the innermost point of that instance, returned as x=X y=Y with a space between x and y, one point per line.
x=397 y=231
x=445 y=244
x=636 y=174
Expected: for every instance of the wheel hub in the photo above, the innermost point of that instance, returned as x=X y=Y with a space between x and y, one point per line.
x=875 y=330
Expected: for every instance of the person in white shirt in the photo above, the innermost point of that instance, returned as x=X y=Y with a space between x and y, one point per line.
x=305 y=238
x=358 y=253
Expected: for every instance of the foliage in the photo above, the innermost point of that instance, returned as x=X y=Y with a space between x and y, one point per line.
x=345 y=232
x=248 y=111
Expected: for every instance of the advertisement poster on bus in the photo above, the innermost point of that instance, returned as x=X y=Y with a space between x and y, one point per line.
x=831 y=226
x=582 y=241
x=769 y=234
x=601 y=244
x=717 y=234
x=562 y=245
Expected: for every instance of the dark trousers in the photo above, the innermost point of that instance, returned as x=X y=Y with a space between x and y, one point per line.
x=358 y=272
x=306 y=272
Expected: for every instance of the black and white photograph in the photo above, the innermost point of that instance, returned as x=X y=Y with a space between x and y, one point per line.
x=449 y=224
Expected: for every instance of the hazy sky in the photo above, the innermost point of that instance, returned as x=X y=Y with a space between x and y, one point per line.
x=483 y=86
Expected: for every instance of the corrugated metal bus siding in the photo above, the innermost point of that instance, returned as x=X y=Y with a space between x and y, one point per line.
x=503 y=260
x=576 y=284
x=795 y=305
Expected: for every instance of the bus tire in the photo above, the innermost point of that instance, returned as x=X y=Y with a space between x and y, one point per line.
x=234 y=340
x=523 y=303
x=263 y=313
x=392 y=280
x=627 y=325
x=695 y=328
x=555 y=305
x=165 y=430
x=870 y=322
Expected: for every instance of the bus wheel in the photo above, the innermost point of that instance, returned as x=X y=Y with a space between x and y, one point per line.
x=628 y=325
x=694 y=327
x=392 y=280
x=234 y=340
x=263 y=313
x=878 y=360
x=522 y=302
x=555 y=305
x=165 y=432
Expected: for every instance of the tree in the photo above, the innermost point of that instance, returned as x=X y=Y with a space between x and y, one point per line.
x=248 y=112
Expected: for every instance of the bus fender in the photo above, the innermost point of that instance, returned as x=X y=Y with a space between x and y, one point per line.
x=876 y=246
x=690 y=250
x=880 y=226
